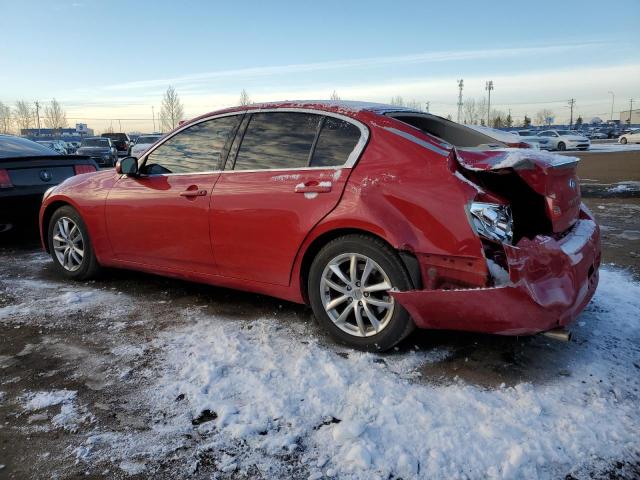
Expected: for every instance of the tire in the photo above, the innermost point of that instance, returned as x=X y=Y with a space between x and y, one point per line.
x=87 y=267
x=623 y=141
x=561 y=147
x=394 y=322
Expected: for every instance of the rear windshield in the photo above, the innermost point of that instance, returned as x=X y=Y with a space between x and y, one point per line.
x=527 y=134
x=115 y=136
x=567 y=132
x=21 y=147
x=95 y=142
x=451 y=132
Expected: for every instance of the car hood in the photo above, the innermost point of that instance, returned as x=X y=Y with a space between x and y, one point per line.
x=551 y=176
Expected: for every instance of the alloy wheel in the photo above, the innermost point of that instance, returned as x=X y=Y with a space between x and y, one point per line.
x=68 y=244
x=355 y=294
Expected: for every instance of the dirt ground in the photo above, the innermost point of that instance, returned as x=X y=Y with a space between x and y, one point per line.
x=82 y=352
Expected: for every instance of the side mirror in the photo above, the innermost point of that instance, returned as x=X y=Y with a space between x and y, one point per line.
x=127 y=166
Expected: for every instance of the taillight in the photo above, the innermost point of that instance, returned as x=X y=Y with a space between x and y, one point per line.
x=5 y=181
x=84 y=169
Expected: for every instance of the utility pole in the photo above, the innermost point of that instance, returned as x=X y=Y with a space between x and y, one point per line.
x=460 y=86
x=428 y=103
x=613 y=98
x=120 y=124
x=153 y=115
x=572 y=102
x=38 y=115
x=630 y=110
x=488 y=87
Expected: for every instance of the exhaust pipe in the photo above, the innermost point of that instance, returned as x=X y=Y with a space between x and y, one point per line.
x=561 y=334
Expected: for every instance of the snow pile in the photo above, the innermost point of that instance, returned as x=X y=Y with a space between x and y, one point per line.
x=268 y=396
x=41 y=400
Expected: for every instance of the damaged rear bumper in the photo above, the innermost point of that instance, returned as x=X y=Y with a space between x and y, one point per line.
x=551 y=282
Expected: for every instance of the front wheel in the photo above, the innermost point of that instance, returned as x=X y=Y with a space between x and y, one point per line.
x=561 y=147
x=349 y=284
x=623 y=141
x=70 y=246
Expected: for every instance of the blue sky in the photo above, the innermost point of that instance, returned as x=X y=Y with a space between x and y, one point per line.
x=113 y=59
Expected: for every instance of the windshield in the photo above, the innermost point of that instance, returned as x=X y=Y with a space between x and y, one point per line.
x=527 y=134
x=21 y=147
x=150 y=139
x=95 y=142
x=567 y=132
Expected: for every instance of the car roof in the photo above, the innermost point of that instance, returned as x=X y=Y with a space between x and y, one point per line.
x=346 y=107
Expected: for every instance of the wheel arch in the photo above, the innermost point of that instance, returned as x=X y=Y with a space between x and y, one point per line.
x=46 y=218
x=408 y=259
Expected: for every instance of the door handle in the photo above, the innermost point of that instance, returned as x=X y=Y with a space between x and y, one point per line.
x=313 y=186
x=193 y=193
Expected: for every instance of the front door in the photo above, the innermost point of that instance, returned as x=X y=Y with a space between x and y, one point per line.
x=161 y=217
x=286 y=175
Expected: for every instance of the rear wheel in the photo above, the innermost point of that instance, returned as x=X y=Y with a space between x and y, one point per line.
x=70 y=245
x=349 y=284
x=562 y=147
x=623 y=140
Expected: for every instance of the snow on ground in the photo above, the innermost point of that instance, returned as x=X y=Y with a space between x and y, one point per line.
x=264 y=395
x=614 y=147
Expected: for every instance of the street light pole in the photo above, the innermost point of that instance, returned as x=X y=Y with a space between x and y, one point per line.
x=613 y=98
x=489 y=87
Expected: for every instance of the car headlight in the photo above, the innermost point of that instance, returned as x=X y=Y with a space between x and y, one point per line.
x=492 y=221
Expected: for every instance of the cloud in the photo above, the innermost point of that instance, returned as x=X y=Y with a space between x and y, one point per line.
x=419 y=58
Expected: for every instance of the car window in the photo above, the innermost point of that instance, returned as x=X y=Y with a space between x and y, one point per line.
x=195 y=149
x=336 y=141
x=277 y=140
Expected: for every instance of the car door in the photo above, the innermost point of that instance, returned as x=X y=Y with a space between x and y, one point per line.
x=160 y=218
x=285 y=172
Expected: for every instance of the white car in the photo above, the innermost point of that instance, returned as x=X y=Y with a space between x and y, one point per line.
x=531 y=137
x=632 y=137
x=565 y=140
x=143 y=142
x=511 y=139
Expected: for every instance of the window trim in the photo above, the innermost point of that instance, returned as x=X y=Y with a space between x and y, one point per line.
x=352 y=159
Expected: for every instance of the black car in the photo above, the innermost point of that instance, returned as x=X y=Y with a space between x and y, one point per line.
x=27 y=170
x=101 y=150
x=121 y=141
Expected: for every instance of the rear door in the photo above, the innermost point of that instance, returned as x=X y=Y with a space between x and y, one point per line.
x=282 y=176
x=161 y=218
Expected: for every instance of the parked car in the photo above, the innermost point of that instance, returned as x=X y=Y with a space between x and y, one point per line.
x=597 y=135
x=531 y=137
x=101 y=150
x=565 y=140
x=56 y=147
x=510 y=139
x=381 y=218
x=143 y=142
x=27 y=170
x=121 y=142
x=632 y=137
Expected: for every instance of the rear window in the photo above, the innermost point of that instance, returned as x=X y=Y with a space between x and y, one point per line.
x=336 y=141
x=95 y=142
x=451 y=132
x=115 y=136
x=277 y=140
x=21 y=147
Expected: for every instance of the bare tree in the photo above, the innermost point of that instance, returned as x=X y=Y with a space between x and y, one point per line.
x=335 y=96
x=244 y=98
x=54 y=116
x=397 y=100
x=481 y=110
x=545 y=117
x=414 y=104
x=471 y=116
x=172 y=111
x=5 y=118
x=23 y=115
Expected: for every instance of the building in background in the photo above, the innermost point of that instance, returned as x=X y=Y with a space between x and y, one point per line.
x=69 y=134
x=635 y=116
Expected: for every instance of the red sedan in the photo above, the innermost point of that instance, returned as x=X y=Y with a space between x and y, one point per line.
x=381 y=218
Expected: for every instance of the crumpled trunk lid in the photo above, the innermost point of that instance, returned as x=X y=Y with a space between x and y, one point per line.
x=552 y=177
